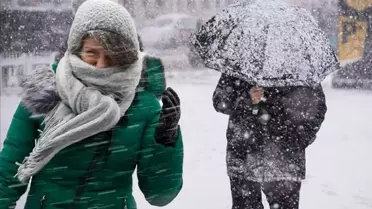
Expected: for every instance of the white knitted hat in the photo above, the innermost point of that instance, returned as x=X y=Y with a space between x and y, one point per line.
x=103 y=15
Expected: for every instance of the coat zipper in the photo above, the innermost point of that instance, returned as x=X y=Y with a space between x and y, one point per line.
x=100 y=151
x=42 y=201
x=125 y=203
x=103 y=150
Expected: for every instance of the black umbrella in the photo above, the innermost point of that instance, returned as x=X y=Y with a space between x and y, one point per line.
x=268 y=43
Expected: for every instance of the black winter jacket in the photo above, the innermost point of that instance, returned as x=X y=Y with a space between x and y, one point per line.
x=269 y=145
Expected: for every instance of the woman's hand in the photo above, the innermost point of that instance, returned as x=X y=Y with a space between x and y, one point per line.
x=166 y=132
x=256 y=94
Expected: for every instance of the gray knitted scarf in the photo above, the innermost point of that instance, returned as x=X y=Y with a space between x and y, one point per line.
x=93 y=100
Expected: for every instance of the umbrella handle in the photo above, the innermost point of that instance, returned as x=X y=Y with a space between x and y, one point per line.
x=256 y=108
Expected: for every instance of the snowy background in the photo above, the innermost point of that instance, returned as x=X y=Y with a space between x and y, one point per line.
x=339 y=170
x=338 y=163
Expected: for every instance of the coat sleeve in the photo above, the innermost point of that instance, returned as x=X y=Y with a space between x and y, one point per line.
x=305 y=109
x=225 y=97
x=160 y=168
x=19 y=142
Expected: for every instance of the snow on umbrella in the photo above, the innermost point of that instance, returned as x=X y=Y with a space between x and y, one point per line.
x=266 y=42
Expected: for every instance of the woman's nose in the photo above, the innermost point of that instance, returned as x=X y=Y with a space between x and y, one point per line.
x=102 y=62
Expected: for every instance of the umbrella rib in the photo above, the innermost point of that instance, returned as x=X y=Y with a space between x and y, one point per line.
x=227 y=36
x=266 y=30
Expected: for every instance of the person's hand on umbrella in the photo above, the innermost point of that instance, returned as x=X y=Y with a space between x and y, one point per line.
x=256 y=94
x=166 y=131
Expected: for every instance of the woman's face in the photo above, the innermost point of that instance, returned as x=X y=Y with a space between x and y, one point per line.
x=94 y=54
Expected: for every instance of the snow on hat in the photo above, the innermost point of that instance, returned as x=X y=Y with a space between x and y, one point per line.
x=102 y=15
x=76 y=4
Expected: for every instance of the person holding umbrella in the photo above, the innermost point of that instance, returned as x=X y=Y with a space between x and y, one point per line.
x=272 y=57
x=268 y=132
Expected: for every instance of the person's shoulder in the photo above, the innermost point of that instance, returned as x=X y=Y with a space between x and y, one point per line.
x=152 y=58
x=152 y=63
x=308 y=89
x=153 y=75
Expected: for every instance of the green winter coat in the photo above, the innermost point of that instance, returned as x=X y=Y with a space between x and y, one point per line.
x=96 y=172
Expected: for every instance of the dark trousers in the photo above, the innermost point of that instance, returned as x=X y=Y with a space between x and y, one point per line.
x=279 y=194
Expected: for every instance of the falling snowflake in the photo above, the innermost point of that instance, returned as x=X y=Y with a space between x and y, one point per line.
x=276 y=206
x=246 y=135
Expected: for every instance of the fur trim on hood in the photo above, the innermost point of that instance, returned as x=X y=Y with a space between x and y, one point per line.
x=39 y=93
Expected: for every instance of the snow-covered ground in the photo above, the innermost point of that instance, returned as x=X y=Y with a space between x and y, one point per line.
x=339 y=167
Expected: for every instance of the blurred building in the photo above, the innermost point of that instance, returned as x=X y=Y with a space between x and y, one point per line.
x=36 y=4
x=143 y=10
x=36 y=26
x=31 y=32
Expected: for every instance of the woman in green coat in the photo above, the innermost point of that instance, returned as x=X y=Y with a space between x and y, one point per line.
x=79 y=133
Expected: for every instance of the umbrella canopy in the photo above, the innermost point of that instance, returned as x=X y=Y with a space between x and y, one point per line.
x=268 y=43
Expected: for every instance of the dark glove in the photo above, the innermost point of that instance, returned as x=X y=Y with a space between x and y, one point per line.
x=167 y=129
